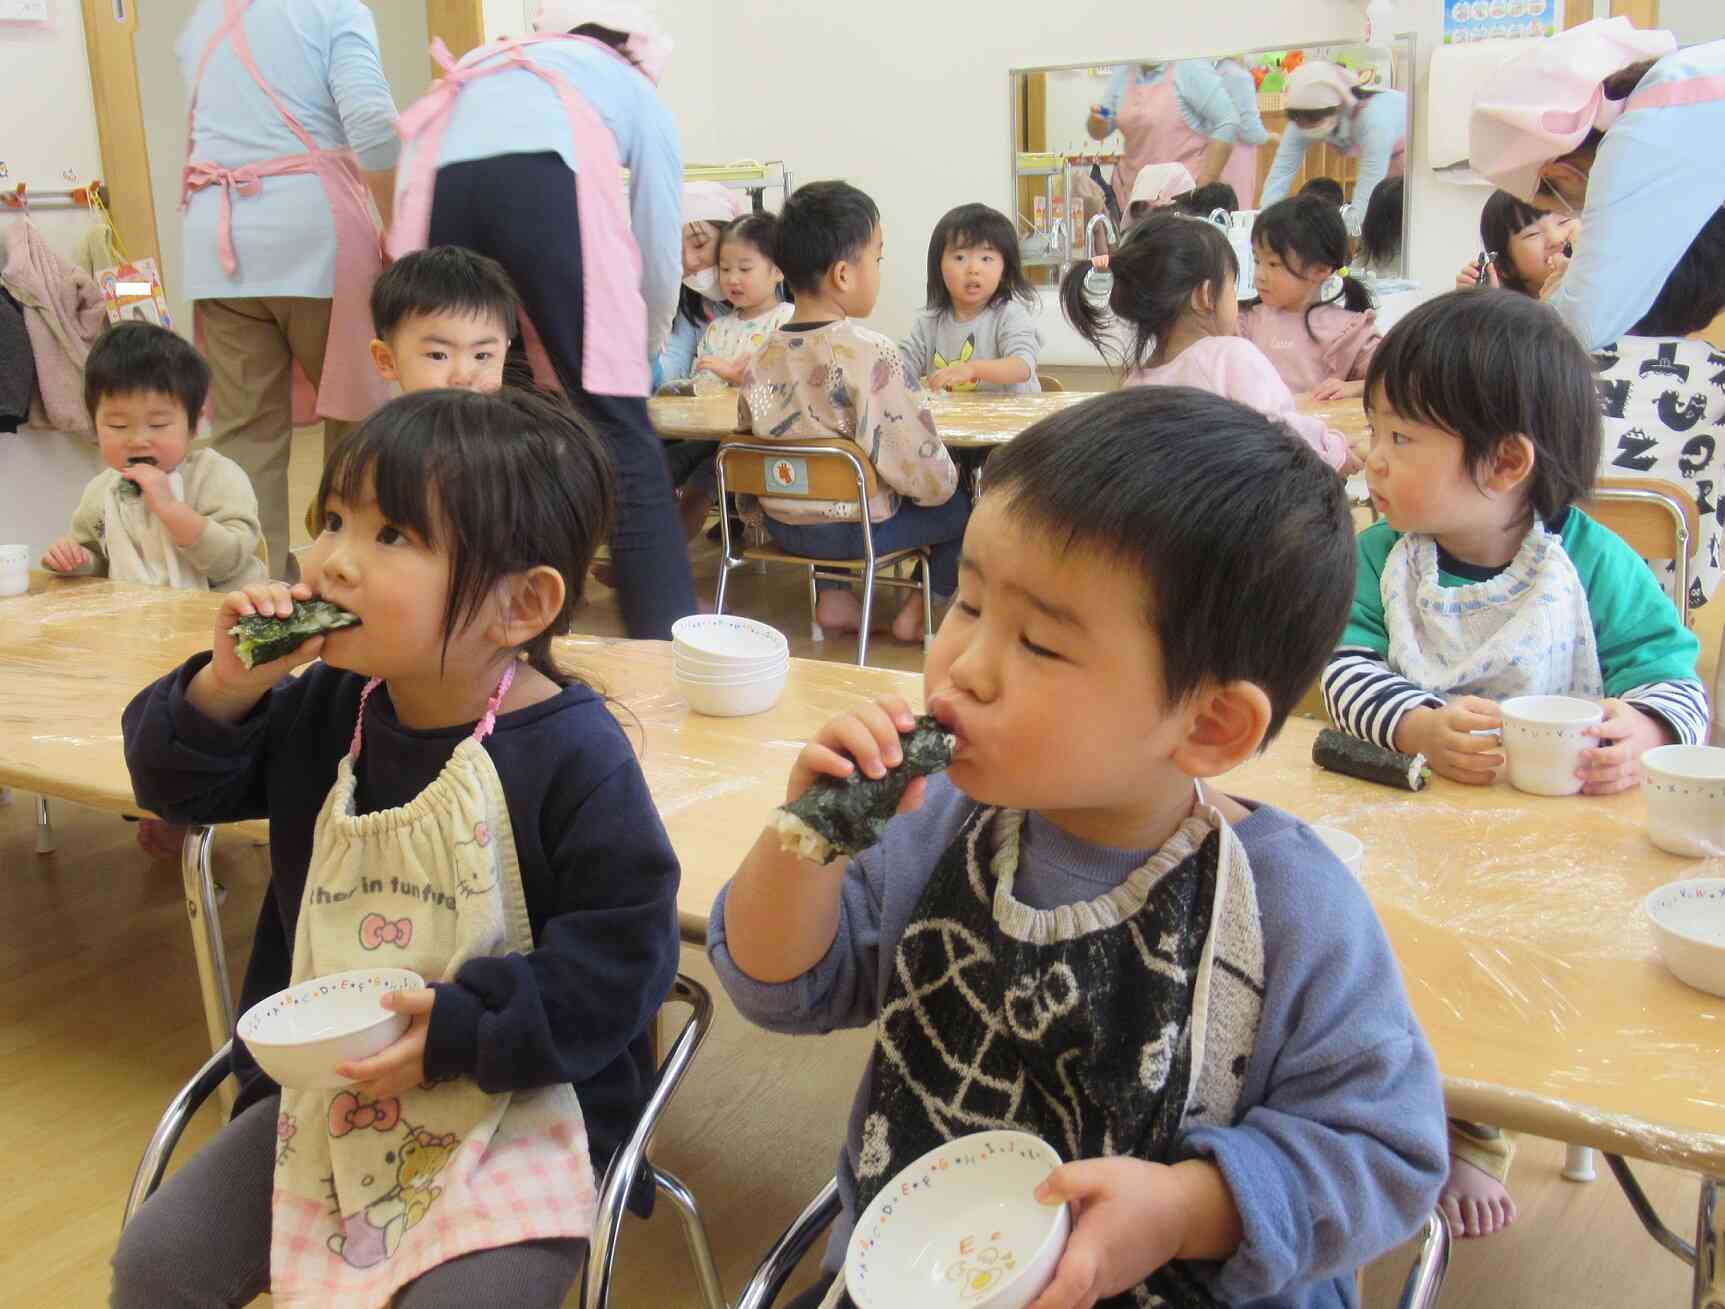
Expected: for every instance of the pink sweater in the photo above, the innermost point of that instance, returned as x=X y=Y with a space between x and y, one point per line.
x=1237 y=369
x=1338 y=344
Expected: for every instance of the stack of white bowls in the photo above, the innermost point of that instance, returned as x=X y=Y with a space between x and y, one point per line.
x=728 y=666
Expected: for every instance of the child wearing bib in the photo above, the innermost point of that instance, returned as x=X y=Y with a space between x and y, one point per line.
x=1484 y=581
x=443 y=796
x=1072 y=932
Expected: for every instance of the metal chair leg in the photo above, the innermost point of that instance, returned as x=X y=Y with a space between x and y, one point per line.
x=207 y=947
x=927 y=604
x=45 y=843
x=867 y=613
x=781 y=1261
x=817 y=633
x=1709 y=1247
x=172 y=1127
x=1425 y=1279
x=694 y=1236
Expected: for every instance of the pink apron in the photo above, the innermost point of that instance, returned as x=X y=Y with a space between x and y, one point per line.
x=614 y=337
x=1241 y=173
x=1156 y=132
x=350 y=387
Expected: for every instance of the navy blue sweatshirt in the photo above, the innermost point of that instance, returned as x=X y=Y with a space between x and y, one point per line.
x=596 y=865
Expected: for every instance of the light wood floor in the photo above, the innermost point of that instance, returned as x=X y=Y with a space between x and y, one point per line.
x=99 y=1024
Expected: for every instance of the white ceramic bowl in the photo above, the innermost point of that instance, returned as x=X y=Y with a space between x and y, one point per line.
x=740 y=678
x=960 y=1227
x=726 y=637
x=1689 y=924
x=727 y=667
x=1685 y=790
x=1348 y=848
x=299 y=1035
x=731 y=699
x=1543 y=741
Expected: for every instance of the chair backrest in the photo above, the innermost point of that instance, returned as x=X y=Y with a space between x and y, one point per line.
x=1050 y=385
x=831 y=468
x=1658 y=519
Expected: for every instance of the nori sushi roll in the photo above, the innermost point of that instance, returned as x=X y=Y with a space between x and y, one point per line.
x=260 y=640
x=843 y=816
x=1341 y=753
x=127 y=486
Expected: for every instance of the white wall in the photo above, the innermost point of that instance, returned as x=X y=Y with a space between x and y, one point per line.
x=52 y=126
x=1693 y=21
x=911 y=102
x=404 y=42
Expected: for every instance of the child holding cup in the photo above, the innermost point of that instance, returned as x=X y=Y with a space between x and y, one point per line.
x=1484 y=583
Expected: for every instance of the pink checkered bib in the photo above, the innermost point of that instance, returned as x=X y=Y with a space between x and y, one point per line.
x=369 y=1194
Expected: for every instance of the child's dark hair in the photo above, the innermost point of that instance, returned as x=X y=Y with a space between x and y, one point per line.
x=1158 y=266
x=1206 y=200
x=500 y=483
x=1326 y=189
x=1303 y=231
x=1239 y=532
x=1381 y=228
x=1694 y=293
x=822 y=224
x=973 y=225
x=446 y=279
x=133 y=357
x=1503 y=216
x=1492 y=364
x=759 y=230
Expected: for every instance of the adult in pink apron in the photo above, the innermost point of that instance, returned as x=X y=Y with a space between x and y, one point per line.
x=258 y=321
x=1325 y=102
x=1152 y=119
x=514 y=154
x=1624 y=130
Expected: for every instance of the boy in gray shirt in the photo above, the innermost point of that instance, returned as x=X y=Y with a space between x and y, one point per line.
x=1069 y=933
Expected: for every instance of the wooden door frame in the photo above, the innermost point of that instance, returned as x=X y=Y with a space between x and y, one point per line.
x=110 y=38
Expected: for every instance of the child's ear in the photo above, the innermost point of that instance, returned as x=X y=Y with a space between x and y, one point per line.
x=841 y=275
x=1225 y=725
x=1205 y=296
x=529 y=603
x=1511 y=464
x=383 y=359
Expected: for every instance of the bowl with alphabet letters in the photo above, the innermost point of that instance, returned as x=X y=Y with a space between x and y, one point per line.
x=301 y=1035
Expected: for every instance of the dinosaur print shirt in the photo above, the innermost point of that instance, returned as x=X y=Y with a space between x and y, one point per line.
x=839 y=379
x=1664 y=406
x=1002 y=331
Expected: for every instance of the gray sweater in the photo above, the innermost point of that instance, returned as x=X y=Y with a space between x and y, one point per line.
x=1001 y=331
x=1341 y=1146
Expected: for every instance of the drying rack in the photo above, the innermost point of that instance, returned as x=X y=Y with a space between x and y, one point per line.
x=23 y=197
x=746 y=175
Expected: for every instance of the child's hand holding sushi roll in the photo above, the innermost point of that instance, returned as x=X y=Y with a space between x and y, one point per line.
x=226 y=689
x=1459 y=740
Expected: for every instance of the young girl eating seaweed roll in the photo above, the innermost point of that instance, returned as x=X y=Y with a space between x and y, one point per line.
x=444 y=797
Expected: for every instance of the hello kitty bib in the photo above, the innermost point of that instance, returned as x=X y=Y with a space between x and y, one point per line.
x=369 y=1194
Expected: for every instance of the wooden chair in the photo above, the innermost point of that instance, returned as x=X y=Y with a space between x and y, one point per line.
x=1051 y=385
x=824 y=469
x=1658 y=519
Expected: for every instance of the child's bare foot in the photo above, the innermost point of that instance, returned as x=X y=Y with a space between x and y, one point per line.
x=908 y=626
x=1475 y=1203
x=839 y=611
x=160 y=840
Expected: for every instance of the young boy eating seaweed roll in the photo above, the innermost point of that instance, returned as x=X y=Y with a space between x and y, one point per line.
x=1071 y=931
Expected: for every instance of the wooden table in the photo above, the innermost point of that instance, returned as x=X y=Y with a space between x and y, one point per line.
x=1516 y=919
x=73 y=653
x=966 y=420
